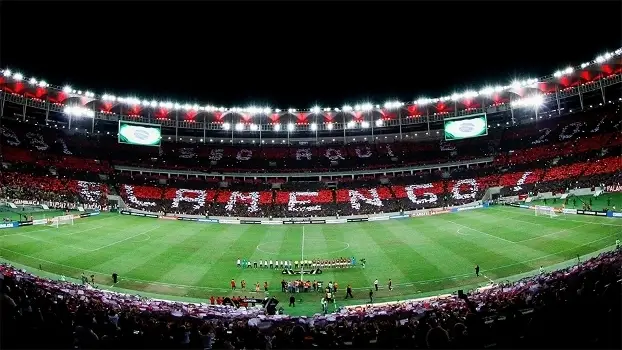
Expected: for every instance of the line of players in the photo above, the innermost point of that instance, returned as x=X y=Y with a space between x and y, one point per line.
x=309 y=264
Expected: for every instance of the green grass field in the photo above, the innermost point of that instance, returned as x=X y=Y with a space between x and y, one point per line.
x=190 y=260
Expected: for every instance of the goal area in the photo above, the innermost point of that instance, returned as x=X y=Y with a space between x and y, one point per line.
x=61 y=220
x=542 y=210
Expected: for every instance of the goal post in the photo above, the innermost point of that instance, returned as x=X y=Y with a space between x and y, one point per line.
x=61 y=220
x=542 y=210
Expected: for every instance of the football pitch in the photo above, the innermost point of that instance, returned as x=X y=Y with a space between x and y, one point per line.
x=190 y=260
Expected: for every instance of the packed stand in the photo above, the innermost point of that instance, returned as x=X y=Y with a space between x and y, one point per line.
x=582 y=300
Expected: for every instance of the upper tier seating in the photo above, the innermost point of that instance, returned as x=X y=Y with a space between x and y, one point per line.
x=567 y=136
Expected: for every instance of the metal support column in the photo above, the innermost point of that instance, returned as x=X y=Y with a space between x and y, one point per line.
x=427 y=117
x=372 y=122
x=345 y=126
x=399 y=120
x=559 y=107
x=176 y=125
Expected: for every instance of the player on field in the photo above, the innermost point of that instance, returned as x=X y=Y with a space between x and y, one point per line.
x=239 y=262
x=296 y=264
x=243 y=284
x=617 y=244
x=255 y=264
x=271 y=265
x=260 y=263
x=232 y=284
x=390 y=284
x=376 y=284
x=265 y=264
x=477 y=270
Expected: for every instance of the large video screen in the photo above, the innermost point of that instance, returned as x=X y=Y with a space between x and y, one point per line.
x=139 y=134
x=473 y=125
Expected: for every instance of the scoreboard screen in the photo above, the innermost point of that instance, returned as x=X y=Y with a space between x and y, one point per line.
x=473 y=125
x=141 y=134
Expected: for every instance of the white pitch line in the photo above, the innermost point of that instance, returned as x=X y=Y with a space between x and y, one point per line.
x=550 y=234
x=356 y=288
x=50 y=242
x=123 y=240
x=579 y=221
x=476 y=230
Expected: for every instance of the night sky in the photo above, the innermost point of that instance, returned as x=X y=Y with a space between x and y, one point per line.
x=297 y=55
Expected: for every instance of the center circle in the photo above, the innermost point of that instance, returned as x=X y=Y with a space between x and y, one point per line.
x=309 y=249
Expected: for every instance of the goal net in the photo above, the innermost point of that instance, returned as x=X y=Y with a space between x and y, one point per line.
x=61 y=220
x=542 y=210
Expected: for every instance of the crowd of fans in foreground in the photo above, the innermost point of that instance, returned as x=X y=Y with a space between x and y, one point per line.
x=575 y=307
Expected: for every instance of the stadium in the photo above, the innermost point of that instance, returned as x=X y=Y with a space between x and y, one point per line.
x=393 y=209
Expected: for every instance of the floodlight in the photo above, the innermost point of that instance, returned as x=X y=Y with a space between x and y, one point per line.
x=277 y=127
x=313 y=127
x=290 y=127
x=239 y=127
x=379 y=122
x=329 y=126
x=226 y=126
x=365 y=125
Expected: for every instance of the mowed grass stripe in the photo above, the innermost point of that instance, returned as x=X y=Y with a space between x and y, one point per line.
x=403 y=258
x=190 y=259
x=445 y=261
x=355 y=276
x=502 y=246
x=122 y=246
x=169 y=262
x=170 y=255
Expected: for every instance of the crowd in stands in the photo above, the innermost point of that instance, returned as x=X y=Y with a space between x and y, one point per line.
x=576 y=307
x=51 y=189
x=400 y=193
x=580 y=133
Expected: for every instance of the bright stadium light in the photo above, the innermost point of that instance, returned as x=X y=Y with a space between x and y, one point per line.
x=290 y=127
x=78 y=111
x=533 y=101
x=239 y=127
x=7 y=73
x=32 y=81
x=350 y=124
x=365 y=125
x=367 y=107
x=18 y=77
x=379 y=122
x=392 y=105
x=226 y=126
x=329 y=126
x=313 y=126
x=254 y=127
x=347 y=108
x=315 y=110
x=277 y=127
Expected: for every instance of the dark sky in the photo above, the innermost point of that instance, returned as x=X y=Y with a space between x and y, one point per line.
x=294 y=54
